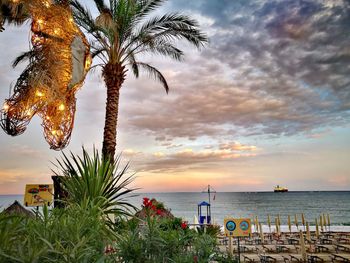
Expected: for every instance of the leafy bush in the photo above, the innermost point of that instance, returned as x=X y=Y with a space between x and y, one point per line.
x=83 y=231
x=156 y=237
x=69 y=235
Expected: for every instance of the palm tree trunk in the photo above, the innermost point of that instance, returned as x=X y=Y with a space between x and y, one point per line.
x=114 y=76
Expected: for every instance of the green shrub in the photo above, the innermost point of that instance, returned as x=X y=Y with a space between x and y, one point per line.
x=82 y=231
x=66 y=235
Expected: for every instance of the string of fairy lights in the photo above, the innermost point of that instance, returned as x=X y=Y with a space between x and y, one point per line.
x=58 y=63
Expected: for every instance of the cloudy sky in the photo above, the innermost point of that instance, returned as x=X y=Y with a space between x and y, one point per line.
x=266 y=102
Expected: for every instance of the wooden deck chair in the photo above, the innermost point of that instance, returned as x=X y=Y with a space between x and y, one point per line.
x=293 y=258
x=341 y=257
x=270 y=248
x=251 y=258
x=271 y=258
x=343 y=247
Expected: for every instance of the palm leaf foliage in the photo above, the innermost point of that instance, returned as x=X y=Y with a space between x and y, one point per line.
x=123 y=31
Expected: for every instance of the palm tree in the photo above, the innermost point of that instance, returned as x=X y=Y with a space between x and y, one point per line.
x=119 y=34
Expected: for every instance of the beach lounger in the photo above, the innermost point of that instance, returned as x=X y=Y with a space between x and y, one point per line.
x=285 y=248
x=343 y=240
x=319 y=257
x=270 y=248
x=343 y=247
x=251 y=258
x=271 y=258
x=324 y=248
x=293 y=258
x=310 y=241
x=341 y=257
x=249 y=248
x=325 y=240
x=223 y=240
x=293 y=241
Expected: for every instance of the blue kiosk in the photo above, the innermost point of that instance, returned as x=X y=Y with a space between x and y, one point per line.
x=204 y=218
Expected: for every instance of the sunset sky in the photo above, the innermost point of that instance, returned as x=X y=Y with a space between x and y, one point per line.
x=267 y=102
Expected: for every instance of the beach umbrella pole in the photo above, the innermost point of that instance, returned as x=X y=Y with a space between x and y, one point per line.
x=239 y=251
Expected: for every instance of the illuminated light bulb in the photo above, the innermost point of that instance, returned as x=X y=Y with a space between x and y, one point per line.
x=38 y=93
x=47 y=117
x=56 y=132
x=40 y=21
x=71 y=20
x=36 y=40
x=6 y=107
x=47 y=4
x=29 y=113
x=56 y=31
x=61 y=107
x=87 y=62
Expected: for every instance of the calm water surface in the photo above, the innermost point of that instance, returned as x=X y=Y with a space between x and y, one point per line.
x=312 y=204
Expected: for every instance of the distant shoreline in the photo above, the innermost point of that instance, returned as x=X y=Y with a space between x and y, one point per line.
x=241 y=192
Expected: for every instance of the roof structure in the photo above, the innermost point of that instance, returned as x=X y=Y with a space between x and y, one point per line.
x=17 y=209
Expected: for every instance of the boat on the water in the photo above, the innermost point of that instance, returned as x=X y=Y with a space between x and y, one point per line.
x=280 y=189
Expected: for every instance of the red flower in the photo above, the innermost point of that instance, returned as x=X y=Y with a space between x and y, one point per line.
x=109 y=249
x=184 y=225
x=159 y=212
x=195 y=259
x=145 y=201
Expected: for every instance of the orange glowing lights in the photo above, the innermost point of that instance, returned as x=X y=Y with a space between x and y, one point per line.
x=58 y=67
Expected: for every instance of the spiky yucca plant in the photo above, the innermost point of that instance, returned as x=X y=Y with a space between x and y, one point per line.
x=92 y=180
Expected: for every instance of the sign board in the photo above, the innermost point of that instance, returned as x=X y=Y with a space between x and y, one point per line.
x=237 y=227
x=38 y=194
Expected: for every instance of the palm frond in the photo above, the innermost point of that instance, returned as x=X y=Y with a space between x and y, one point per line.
x=82 y=16
x=145 y=7
x=173 y=26
x=170 y=20
x=166 y=28
x=29 y=55
x=134 y=66
x=101 y=6
x=155 y=73
x=162 y=47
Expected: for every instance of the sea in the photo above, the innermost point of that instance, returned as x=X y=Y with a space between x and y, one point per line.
x=312 y=204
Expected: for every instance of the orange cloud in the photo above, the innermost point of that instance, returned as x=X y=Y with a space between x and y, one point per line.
x=209 y=154
x=236 y=146
x=14 y=181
